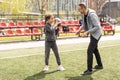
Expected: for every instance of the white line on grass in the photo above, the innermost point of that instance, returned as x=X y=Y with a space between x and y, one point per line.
x=86 y=48
x=60 y=52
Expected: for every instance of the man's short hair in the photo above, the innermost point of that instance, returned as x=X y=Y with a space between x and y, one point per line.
x=82 y=5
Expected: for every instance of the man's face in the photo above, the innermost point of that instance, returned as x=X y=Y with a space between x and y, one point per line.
x=81 y=10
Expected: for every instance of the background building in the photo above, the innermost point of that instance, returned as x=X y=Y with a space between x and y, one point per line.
x=67 y=7
x=111 y=9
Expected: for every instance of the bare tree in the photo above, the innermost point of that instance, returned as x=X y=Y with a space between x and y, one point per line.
x=100 y=4
x=43 y=6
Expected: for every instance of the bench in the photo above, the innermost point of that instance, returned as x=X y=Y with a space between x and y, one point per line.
x=108 y=28
x=20 y=28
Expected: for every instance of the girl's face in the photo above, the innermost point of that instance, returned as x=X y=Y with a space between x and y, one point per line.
x=51 y=20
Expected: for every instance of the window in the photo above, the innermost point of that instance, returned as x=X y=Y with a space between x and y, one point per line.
x=118 y=5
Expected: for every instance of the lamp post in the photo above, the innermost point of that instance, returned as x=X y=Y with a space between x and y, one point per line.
x=109 y=10
x=67 y=14
x=10 y=3
x=86 y=3
x=57 y=8
x=39 y=6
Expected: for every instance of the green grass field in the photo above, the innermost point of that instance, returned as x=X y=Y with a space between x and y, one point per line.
x=27 y=64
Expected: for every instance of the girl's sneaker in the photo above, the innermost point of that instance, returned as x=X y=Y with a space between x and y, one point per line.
x=46 y=68
x=61 y=68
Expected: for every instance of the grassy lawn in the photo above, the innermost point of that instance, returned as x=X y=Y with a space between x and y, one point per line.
x=73 y=57
x=16 y=38
x=118 y=31
x=26 y=38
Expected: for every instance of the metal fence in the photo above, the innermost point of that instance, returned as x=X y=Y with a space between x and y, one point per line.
x=35 y=17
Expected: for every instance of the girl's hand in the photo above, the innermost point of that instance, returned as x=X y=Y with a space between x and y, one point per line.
x=56 y=23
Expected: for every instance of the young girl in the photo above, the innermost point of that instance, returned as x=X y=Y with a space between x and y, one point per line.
x=50 y=41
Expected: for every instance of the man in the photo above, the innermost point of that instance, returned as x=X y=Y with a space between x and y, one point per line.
x=91 y=26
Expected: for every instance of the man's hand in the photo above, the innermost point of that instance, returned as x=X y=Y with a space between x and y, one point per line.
x=85 y=34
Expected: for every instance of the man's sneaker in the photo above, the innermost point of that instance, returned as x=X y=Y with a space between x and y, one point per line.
x=87 y=72
x=61 y=68
x=98 y=67
x=46 y=68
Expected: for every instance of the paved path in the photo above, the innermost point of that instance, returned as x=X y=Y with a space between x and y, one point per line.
x=117 y=27
x=10 y=46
